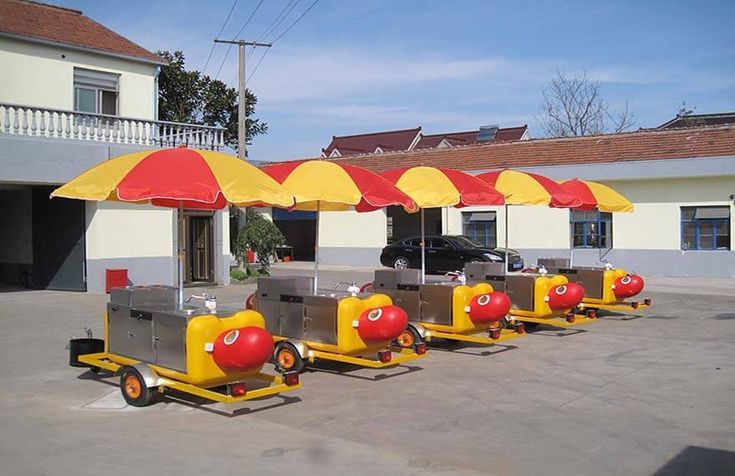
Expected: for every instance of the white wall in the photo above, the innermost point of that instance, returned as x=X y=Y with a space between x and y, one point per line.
x=122 y=230
x=350 y=229
x=655 y=223
x=528 y=226
x=37 y=75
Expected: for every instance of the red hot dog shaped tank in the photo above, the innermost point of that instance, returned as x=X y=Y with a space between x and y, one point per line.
x=242 y=349
x=565 y=296
x=491 y=307
x=628 y=286
x=382 y=324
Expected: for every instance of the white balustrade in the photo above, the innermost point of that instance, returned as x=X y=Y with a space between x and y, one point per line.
x=30 y=121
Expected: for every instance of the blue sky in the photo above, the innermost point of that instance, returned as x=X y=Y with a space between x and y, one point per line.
x=354 y=66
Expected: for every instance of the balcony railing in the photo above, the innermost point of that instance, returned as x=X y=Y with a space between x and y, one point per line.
x=31 y=121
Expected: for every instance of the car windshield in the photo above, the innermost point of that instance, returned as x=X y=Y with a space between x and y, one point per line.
x=468 y=242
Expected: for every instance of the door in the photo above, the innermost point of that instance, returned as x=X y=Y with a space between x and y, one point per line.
x=58 y=242
x=441 y=255
x=201 y=248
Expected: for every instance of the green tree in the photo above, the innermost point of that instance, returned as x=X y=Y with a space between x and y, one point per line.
x=260 y=235
x=190 y=97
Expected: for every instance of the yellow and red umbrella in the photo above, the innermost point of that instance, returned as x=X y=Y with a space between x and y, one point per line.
x=332 y=186
x=525 y=188
x=325 y=185
x=177 y=178
x=433 y=187
x=596 y=196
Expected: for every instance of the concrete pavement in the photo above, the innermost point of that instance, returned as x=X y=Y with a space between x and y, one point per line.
x=624 y=395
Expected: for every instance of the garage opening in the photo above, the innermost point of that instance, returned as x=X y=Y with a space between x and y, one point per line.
x=402 y=225
x=299 y=229
x=43 y=244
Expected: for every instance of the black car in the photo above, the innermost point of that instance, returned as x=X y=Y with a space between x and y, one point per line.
x=445 y=253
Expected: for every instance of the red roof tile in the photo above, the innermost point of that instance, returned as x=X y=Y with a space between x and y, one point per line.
x=368 y=143
x=64 y=25
x=632 y=146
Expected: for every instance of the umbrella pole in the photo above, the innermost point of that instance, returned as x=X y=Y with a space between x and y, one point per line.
x=505 y=266
x=180 y=246
x=316 y=250
x=423 y=248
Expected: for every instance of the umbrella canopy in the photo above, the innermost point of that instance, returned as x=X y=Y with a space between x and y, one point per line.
x=177 y=178
x=432 y=187
x=525 y=188
x=323 y=185
x=595 y=196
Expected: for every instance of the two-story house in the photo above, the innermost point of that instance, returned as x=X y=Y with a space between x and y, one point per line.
x=74 y=93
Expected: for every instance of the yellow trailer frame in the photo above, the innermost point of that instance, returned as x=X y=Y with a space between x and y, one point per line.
x=113 y=363
x=561 y=321
x=405 y=355
x=505 y=335
x=624 y=306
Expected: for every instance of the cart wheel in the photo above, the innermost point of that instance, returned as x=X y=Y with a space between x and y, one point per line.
x=287 y=358
x=408 y=338
x=95 y=370
x=133 y=388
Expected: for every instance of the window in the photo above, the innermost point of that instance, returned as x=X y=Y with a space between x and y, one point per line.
x=439 y=243
x=413 y=242
x=705 y=228
x=591 y=229
x=481 y=227
x=95 y=91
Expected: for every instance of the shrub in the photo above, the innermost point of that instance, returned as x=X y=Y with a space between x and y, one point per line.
x=238 y=275
x=261 y=236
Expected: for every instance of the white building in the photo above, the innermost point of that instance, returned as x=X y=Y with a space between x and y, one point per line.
x=72 y=94
x=681 y=181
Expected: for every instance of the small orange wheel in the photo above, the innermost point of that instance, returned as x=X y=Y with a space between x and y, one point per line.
x=287 y=358
x=406 y=339
x=132 y=386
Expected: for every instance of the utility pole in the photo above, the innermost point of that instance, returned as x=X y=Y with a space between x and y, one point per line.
x=241 y=119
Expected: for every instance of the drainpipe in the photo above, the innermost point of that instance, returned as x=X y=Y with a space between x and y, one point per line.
x=155 y=94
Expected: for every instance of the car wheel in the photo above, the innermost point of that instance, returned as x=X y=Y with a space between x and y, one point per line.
x=400 y=263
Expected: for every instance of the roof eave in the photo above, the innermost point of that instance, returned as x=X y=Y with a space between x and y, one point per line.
x=44 y=41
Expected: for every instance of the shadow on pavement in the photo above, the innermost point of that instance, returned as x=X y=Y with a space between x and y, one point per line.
x=699 y=460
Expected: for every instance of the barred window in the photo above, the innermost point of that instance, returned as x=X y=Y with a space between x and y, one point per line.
x=591 y=229
x=705 y=228
x=481 y=227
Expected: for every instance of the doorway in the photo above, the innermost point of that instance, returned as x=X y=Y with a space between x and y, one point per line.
x=44 y=246
x=199 y=246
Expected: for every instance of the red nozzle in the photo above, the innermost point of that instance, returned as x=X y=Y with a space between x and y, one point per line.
x=242 y=349
x=565 y=296
x=490 y=307
x=382 y=324
x=628 y=286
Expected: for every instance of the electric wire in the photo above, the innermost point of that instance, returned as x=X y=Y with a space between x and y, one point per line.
x=234 y=4
x=229 y=47
x=255 y=70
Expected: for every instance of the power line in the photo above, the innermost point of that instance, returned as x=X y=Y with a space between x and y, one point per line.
x=234 y=4
x=255 y=70
x=229 y=47
x=296 y=21
x=279 y=19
